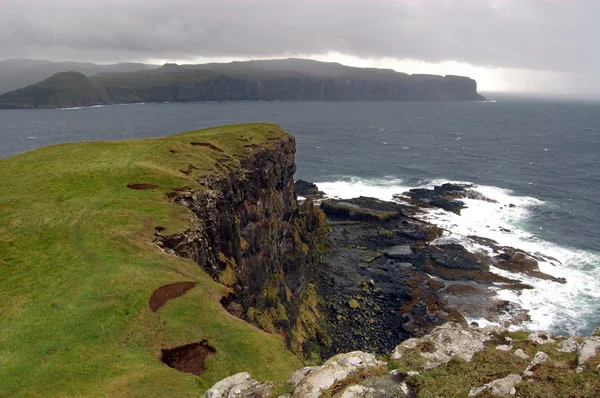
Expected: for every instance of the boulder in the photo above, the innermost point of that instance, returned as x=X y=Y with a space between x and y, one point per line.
x=360 y=392
x=504 y=387
x=539 y=358
x=541 y=338
x=443 y=343
x=333 y=370
x=240 y=385
x=377 y=387
x=588 y=349
x=569 y=345
x=521 y=354
x=296 y=377
x=307 y=189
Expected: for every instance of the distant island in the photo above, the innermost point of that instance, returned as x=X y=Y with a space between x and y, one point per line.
x=268 y=80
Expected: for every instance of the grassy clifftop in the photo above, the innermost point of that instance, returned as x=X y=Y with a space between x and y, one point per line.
x=78 y=266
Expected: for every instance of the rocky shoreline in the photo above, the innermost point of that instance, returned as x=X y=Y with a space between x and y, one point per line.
x=389 y=277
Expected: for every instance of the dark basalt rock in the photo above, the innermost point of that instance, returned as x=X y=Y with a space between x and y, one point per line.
x=437 y=198
x=387 y=280
x=305 y=188
x=362 y=209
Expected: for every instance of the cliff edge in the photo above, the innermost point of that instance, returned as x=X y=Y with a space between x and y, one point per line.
x=94 y=299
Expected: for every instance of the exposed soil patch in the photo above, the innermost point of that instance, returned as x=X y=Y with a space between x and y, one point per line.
x=231 y=306
x=188 y=358
x=207 y=145
x=189 y=169
x=168 y=292
x=182 y=189
x=141 y=187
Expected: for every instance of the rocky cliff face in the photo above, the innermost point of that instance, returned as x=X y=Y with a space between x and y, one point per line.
x=248 y=232
x=314 y=81
x=302 y=88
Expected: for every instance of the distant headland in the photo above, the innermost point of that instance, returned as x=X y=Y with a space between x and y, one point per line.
x=268 y=80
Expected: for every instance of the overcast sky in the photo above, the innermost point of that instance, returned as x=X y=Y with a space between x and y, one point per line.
x=516 y=45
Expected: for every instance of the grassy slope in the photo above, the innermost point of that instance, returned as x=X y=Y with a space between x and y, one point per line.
x=77 y=266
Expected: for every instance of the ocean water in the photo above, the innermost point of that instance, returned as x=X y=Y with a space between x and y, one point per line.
x=543 y=157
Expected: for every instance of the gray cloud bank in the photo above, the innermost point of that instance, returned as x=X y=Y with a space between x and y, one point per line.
x=555 y=35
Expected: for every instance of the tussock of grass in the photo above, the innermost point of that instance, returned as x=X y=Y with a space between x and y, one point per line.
x=77 y=266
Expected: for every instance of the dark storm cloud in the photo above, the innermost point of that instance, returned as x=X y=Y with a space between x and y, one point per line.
x=559 y=35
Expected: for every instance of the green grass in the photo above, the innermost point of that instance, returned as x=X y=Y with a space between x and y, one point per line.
x=78 y=265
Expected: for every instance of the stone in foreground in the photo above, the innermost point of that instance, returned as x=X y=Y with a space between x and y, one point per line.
x=333 y=370
x=445 y=342
x=240 y=385
x=504 y=387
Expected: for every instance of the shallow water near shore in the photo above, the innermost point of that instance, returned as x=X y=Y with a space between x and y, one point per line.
x=543 y=157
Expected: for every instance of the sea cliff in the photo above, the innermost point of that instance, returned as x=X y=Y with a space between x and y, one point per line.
x=276 y=80
x=162 y=266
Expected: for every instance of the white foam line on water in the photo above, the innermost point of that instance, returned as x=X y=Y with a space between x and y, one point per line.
x=552 y=306
x=75 y=108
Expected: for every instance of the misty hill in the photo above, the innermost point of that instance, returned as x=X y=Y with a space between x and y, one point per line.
x=64 y=89
x=18 y=73
x=291 y=79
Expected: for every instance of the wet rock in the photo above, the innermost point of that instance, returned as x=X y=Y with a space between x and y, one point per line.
x=514 y=260
x=362 y=209
x=443 y=197
x=333 y=370
x=308 y=189
x=240 y=385
x=443 y=343
x=397 y=252
x=501 y=387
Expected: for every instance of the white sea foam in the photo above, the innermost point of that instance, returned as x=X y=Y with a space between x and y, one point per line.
x=568 y=308
x=80 y=107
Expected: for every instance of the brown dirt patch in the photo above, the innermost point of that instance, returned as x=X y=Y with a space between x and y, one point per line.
x=189 y=169
x=188 y=358
x=207 y=145
x=141 y=187
x=168 y=292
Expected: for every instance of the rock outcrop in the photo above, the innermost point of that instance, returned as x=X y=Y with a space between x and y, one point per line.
x=455 y=360
x=248 y=232
x=444 y=343
x=240 y=385
x=336 y=369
